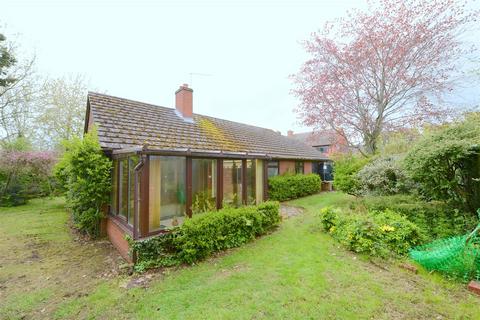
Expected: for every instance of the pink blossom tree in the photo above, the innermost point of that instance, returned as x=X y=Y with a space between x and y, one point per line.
x=382 y=69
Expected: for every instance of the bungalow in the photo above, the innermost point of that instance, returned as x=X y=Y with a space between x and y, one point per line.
x=170 y=163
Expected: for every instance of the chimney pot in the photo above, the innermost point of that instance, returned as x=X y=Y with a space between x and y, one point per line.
x=184 y=101
x=290 y=133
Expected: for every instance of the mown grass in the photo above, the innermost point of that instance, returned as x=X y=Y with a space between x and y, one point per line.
x=297 y=272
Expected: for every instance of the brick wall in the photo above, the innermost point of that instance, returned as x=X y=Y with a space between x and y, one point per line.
x=307 y=167
x=116 y=233
x=286 y=166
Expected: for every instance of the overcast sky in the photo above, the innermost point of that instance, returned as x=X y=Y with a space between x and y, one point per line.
x=144 y=50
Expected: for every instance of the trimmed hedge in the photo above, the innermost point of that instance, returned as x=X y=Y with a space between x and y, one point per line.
x=206 y=233
x=288 y=187
x=437 y=219
x=376 y=233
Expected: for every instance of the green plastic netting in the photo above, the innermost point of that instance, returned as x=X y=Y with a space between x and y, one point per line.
x=457 y=257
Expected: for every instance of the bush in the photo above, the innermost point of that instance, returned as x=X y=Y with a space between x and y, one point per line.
x=446 y=164
x=436 y=219
x=287 y=187
x=85 y=173
x=384 y=176
x=345 y=170
x=24 y=175
x=206 y=233
x=376 y=233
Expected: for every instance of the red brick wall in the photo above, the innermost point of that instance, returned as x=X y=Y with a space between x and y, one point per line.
x=116 y=233
x=307 y=167
x=286 y=166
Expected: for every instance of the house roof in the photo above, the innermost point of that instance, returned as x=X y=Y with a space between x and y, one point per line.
x=316 y=138
x=124 y=124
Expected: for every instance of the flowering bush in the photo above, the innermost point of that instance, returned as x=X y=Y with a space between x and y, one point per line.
x=25 y=174
x=376 y=233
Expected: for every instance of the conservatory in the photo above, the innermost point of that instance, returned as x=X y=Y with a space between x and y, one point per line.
x=153 y=191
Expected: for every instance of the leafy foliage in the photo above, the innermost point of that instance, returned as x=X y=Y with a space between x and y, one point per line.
x=436 y=219
x=206 y=233
x=24 y=174
x=287 y=187
x=203 y=202
x=376 y=233
x=84 y=171
x=446 y=164
x=384 y=176
x=346 y=168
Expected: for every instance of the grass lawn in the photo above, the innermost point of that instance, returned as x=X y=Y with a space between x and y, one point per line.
x=297 y=272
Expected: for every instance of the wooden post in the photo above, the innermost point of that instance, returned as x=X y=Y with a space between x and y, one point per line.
x=189 y=186
x=219 y=183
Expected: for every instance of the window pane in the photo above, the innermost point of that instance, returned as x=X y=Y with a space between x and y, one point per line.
x=232 y=182
x=299 y=168
x=204 y=185
x=133 y=161
x=114 y=197
x=251 y=182
x=123 y=167
x=167 y=194
x=272 y=168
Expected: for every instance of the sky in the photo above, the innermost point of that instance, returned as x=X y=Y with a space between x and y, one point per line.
x=236 y=55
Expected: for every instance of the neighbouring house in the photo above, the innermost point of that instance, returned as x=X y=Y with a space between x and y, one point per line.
x=169 y=163
x=327 y=143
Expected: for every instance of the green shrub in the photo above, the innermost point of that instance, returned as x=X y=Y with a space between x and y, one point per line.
x=437 y=219
x=384 y=176
x=85 y=173
x=376 y=233
x=345 y=173
x=206 y=233
x=287 y=187
x=446 y=164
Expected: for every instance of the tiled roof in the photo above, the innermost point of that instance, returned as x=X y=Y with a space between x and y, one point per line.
x=318 y=138
x=126 y=123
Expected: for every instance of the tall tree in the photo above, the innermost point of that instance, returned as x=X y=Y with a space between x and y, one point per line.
x=7 y=60
x=62 y=110
x=380 y=69
x=17 y=93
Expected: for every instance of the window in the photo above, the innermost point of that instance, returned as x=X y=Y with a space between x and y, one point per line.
x=123 y=188
x=254 y=181
x=167 y=194
x=322 y=149
x=272 y=168
x=232 y=182
x=132 y=162
x=204 y=185
x=251 y=182
x=114 y=197
x=299 y=168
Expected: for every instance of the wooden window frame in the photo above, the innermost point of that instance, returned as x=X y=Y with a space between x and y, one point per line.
x=299 y=163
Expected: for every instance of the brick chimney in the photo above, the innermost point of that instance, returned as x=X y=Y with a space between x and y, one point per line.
x=289 y=133
x=184 y=101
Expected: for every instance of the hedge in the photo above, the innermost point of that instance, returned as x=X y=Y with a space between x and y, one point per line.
x=287 y=187
x=206 y=233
